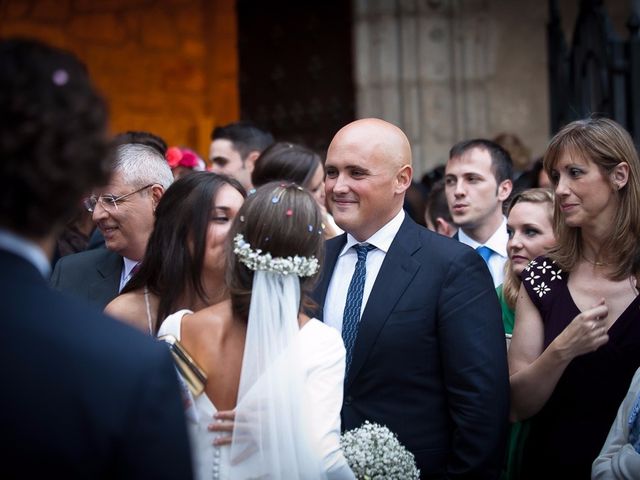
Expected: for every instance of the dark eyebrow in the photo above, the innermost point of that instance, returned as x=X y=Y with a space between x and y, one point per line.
x=358 y=167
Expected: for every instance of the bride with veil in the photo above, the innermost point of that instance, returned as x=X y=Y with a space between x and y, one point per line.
x=281 y=372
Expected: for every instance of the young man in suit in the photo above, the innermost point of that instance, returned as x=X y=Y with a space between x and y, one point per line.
x=83 y=396
x=123 y=210
x=477 y=183
x=235 y=148
x=421 y=322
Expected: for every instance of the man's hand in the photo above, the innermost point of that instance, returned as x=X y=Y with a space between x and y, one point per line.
x=223 y=422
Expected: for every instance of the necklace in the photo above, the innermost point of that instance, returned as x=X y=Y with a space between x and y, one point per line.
x=595 y=263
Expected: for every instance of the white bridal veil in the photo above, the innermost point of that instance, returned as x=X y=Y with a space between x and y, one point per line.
x=272 y=438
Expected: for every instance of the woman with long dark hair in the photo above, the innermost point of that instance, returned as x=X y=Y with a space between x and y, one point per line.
x=183 y=266
x=291 y=162
x=280 y=371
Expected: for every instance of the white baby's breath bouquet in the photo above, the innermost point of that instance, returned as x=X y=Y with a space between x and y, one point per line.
x=374 y=453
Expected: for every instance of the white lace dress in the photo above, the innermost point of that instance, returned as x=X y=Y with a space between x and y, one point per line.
x=324 y=364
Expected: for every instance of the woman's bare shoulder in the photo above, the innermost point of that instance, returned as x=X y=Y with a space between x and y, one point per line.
x=206 y=328
x=214 y=316
x=129 y=308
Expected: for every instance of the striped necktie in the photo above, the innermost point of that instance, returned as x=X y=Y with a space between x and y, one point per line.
x=351 y=316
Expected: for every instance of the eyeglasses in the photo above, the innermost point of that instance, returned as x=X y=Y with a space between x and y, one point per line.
x=109 y=202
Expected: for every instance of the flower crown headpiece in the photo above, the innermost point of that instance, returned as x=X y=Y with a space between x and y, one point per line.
x=255 y=260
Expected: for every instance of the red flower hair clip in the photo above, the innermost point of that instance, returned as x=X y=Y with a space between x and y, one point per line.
x=184 y=157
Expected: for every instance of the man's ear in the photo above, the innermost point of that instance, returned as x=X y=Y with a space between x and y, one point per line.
x=445 y=228
x=504 y=190
x=403 y=178
x=620 y=175
x=250 y=161
x=157 y=191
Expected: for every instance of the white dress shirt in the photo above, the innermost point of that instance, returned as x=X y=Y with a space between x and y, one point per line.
x=125 y=275
x=345 y=265
x=498 y=243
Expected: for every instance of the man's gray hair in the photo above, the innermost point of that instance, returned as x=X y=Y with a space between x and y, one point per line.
x=141 y=165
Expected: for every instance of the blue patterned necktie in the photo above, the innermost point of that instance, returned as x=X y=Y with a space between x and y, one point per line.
x=485 y=253
x=351 y=316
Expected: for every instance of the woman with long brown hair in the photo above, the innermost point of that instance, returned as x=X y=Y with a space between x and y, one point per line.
x=576 y=341
x=183 y=266
x=281 y=372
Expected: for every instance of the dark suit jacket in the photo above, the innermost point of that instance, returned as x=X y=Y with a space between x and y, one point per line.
x=92 y=275
x=429 y=361
x=83 y=395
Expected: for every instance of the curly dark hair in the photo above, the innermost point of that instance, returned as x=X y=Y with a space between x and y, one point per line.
x=53 y=143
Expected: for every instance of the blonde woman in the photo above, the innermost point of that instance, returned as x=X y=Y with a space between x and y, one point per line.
x=530 y=228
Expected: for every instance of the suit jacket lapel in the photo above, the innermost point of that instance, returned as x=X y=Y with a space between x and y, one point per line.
x=396 y=272
x=107 y=283
x=333 y=248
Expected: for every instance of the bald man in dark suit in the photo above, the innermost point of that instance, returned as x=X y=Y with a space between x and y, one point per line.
x=421 y=322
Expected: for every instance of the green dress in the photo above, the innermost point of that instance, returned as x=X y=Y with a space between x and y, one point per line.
x=518 y=430
x=508 y=315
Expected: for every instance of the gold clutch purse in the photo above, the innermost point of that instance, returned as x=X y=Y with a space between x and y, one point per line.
x=193 y=375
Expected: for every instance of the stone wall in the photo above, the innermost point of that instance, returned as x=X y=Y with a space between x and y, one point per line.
x=169 y=67
x=443 y=70
x=448 y=70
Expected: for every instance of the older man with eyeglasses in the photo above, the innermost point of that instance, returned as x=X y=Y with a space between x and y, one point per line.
x=124 y=212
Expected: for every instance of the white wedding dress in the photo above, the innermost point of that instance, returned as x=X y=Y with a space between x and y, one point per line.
x=323 y=364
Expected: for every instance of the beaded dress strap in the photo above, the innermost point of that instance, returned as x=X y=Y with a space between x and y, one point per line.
x=146 y=302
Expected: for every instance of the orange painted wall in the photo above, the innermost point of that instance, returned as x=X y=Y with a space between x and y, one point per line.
x=169 y=67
